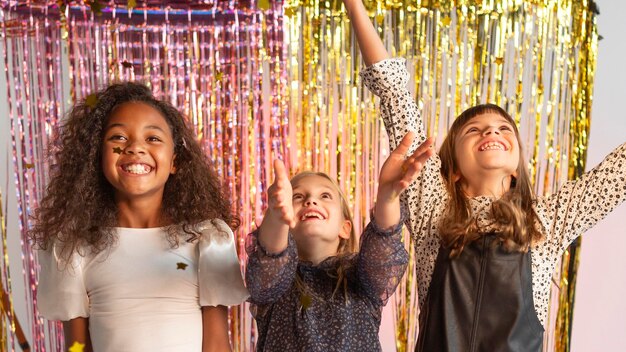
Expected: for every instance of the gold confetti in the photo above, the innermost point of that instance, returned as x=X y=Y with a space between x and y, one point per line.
x=263 y=4
x=445 y=21
x=290 y=11
x=380 y=19
x=131 y=4
x=77 y=347
x=118 y=150
x=91 y=100
x=305 y=301
x=29 y=165
x=218 y=76
x=181 y=266
x=499 y=60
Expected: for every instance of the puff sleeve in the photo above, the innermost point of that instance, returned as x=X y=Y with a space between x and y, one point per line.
x=61 y=294
x=219 y=273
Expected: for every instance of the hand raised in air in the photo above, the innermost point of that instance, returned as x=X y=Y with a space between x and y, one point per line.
x=280 y=195
x=399 y=171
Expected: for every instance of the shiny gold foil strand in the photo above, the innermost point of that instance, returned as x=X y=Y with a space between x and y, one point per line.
x=6 y=321
x=585 y=35
x=328 y=112
x=537 y=20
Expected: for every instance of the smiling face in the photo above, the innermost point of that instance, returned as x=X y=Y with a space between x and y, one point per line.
x=320 y=214
x=137 y=152
x=487 y=143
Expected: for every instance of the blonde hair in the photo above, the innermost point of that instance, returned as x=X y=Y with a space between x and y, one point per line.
x=345 y=248
x=513 y=214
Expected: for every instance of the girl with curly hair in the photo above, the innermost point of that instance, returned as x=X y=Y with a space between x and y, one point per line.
x=486 y=246
x=135 y=239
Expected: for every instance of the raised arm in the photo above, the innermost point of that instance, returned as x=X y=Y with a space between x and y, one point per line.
x=372 y=48
x=580 y=204
x=397 y=173
x=383 y=258
x=388 y=79
x=272 y=255
x=274 y=229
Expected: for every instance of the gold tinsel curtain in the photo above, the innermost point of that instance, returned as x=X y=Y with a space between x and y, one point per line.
x=534 y=58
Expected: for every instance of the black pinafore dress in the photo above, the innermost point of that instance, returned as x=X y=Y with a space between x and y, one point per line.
x=480 y=301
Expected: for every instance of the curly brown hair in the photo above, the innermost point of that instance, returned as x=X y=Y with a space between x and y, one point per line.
x=513 y=213
x=78 y=210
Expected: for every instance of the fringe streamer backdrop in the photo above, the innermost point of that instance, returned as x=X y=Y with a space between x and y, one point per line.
x=264 y=79
x=34 y=76
x=7 y=317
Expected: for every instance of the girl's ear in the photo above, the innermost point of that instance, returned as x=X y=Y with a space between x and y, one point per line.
x=456 y=176
x=173 y=168
x=346 y=229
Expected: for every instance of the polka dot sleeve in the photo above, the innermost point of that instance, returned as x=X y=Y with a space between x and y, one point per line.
x=579 y=204
x=388 y=80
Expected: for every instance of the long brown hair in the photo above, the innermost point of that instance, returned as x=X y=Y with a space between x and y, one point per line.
x=78 y=210
x=513 y=214
x=345 y=248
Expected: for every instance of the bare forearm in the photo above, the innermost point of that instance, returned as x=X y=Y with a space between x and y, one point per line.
x=387 y=211
x=77 y=332
x=372 y=48
x=273 y=233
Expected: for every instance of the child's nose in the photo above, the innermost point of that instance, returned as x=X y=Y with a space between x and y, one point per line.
x=310 y=201
x=491 y=130
x=134 y=148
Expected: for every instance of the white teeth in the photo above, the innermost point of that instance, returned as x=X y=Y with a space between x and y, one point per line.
x=492 y=146
x=138 y=169
x=311 y=214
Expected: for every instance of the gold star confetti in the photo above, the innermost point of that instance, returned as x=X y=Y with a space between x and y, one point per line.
x=181 y=266
x=77 y=347
x=219 y=76
x=305 y=301
x=263 y=4
x=131 y=4
x=499 y=60
x=380 y=19
x=445 y=21
x=91 y=100
x=289 y=11
x=118 y=150
x=29 y=165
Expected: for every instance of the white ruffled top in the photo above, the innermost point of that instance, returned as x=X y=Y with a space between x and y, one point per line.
x=142 y=294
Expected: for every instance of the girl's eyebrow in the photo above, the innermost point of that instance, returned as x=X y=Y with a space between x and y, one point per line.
x=475 y=122
x=322 y=186
x=149 y=127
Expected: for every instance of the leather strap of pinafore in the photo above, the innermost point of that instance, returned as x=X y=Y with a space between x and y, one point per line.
x=481 y=301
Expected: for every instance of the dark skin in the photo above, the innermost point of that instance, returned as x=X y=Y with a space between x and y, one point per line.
x=77 y=330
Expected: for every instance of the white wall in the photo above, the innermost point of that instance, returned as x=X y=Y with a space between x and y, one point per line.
x=600 y=306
